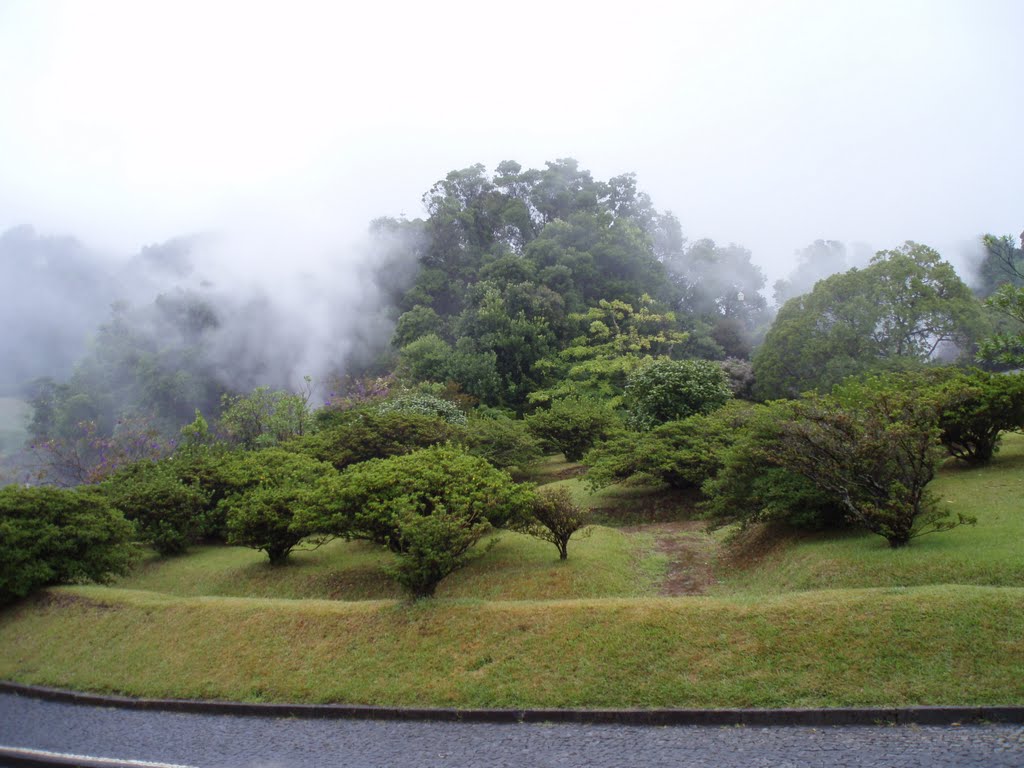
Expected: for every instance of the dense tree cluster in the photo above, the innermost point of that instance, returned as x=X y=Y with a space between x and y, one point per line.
x=551 y=312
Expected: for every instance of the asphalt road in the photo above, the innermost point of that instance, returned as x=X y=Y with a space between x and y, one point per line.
x=222 y=741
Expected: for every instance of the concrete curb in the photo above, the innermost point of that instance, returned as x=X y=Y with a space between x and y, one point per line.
x=758 y=717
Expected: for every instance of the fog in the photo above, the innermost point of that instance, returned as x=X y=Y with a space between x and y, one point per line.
x=270 y=135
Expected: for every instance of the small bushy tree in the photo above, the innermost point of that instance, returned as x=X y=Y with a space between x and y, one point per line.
x=271 y=486
x=875 y=449
x=505 y=443
x=555 y=517
x=368 y=500
x=55 y=536
x=266 y=417
x=573 y=425
x=432 y=547
x=366 y=434
x=168 y=512
x=429 y=507
x=682 y=453
x=426 y=405
x=749 y=486
x=974 y=409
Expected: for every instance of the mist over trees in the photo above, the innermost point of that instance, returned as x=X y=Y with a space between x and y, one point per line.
x=518 y=289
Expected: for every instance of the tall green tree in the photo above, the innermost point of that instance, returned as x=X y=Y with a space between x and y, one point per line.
x=905 y=308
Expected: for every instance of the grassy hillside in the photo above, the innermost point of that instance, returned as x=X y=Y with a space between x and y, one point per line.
x=796 y=621
x=872 y=647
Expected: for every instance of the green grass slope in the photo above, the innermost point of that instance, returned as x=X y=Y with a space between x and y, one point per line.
x=819 y=621
x=932 y=645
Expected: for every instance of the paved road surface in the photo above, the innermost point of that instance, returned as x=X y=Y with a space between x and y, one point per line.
x=216 y=741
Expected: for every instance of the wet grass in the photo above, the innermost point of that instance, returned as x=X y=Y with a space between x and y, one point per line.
x=929 y=645
x=836 y=620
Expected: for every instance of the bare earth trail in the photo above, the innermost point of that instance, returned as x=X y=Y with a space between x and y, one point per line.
x=691 y=554
x=223 y=741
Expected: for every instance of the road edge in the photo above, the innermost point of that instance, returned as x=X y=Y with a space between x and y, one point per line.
x=919 y=715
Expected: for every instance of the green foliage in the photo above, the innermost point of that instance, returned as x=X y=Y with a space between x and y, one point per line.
x=683 y=453
x=573 y=425
x=55 y=536
x=433 y=546
x=168 y=513
x=1005 y=348
x=555 y=517
x=371 y=499
x=505 y=443
x=425 y=405
x=720 y=288
x=1001 y=265
x=619 y=339
x=271 y=485
x=893 y=314
x=368 y=434
x=669 y=390
x=1000 y=280
x=418 y=322
x=206 y=468
x=265 y=417
x=149 y=361
x=975 y=408
x=874 y=448
x=750 y=487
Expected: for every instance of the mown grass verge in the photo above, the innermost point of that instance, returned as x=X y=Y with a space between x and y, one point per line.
x=881 y=647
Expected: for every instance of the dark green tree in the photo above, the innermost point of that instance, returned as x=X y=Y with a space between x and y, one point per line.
x=573 y=425
x=57 y=536
x=270 y=487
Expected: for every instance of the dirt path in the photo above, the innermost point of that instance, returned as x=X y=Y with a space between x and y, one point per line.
x=691 y=555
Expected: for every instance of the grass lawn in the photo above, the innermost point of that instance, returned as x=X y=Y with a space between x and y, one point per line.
x=603 y=563
x=929 y=645
x=812 y=621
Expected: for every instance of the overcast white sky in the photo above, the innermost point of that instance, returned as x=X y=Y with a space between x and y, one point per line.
x=768 y=124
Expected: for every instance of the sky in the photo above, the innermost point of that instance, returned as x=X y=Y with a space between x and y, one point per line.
x=293 y=124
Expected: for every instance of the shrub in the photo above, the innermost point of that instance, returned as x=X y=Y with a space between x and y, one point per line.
x=365 y=435
x=670 y=390
x=750 y=487
x=573 y=425
x=555 y=517
x=874 y=448
x=974 y=408
x=433 y=547
x=367 y=500
x=683 y=453
x=270 y=487
x=429 y=507
x=55 y=536
x=505 y=443
x=168 y=513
